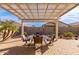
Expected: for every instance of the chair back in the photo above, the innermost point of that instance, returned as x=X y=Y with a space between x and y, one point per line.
x=23 y=38
x=37 y=40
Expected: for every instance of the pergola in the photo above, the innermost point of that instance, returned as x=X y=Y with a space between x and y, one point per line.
x=39 y=11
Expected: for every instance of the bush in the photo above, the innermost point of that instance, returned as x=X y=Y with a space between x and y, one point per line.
x=68 y=34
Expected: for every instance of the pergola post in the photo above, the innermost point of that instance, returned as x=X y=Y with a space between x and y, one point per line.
x=56 y=29
x=22 y=27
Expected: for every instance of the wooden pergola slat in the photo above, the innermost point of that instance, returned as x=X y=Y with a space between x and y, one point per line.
x=22 y=10
x=39 y=15
x=14 y=9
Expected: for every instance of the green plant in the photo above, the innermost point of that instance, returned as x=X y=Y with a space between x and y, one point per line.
x=68 y=34
x=8 y=28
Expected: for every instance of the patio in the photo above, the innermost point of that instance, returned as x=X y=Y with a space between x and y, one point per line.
x=39 y=12
x=60 y=47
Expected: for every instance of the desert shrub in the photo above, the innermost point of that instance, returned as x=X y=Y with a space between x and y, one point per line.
x=69 y=34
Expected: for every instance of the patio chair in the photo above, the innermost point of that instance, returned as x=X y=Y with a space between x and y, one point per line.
x=52 y=39
x=24 y=38
x=37 y=40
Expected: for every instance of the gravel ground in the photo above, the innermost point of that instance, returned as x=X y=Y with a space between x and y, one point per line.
x=60 y=47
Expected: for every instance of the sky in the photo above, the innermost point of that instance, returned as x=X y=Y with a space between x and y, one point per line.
x=5 y=15
x=70 y=17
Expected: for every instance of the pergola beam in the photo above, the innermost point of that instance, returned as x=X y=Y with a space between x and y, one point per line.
x=37 y=10
x=46 y=9
x=40 y=19
x=29 y=9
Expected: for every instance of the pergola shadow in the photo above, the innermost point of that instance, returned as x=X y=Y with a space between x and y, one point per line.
x=20 y=50
x=23 y=50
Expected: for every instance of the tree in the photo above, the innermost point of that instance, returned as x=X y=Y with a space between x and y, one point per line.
x=8 y=28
